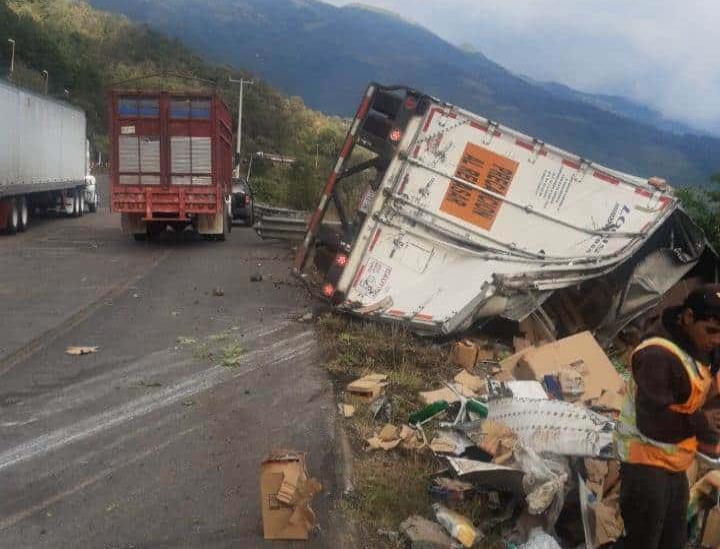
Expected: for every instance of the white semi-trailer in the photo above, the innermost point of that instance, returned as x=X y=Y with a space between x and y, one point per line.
x=43 y=159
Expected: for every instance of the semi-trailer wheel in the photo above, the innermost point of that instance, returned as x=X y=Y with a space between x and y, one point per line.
x=13 y=222
x=24 y=216
x=81 y=199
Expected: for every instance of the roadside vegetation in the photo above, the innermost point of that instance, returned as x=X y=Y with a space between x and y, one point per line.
x=703 y=205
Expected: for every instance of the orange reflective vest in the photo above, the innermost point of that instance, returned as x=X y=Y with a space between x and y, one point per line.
x=634 y=447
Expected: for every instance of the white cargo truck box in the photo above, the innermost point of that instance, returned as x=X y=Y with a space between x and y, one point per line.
x=42 y=141
x=467 y=219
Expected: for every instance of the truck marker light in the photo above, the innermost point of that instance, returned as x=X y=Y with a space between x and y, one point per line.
x=341 y=260
x=410 y=103
x=395 y=135
x=328 y=290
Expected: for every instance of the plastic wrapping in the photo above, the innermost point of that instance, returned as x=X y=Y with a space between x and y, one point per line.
x=458 y=526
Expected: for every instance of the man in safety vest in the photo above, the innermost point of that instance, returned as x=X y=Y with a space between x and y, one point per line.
x=661 y=419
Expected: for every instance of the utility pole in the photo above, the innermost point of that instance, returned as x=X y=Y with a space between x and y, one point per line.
x=46 y=77
x=242 y=83
x=12 y=58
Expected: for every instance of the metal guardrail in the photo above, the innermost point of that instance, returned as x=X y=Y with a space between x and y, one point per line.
x=280 y=223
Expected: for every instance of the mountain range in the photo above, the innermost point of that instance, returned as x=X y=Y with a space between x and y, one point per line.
x=327 y=55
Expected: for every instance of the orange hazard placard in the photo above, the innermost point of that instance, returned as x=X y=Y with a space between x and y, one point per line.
x=485 y=169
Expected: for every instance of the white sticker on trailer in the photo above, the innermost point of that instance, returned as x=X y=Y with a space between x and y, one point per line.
x=374 y=278
x=127 y=130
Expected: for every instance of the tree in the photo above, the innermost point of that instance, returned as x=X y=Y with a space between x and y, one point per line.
x=703 y=205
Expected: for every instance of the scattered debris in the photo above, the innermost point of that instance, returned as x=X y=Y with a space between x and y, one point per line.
x=347 y=410
x=514 y=437
x=257 y=277
x=447 y=441
x=499 y=477
x=182 y=340
x=78 y=351
x=381 y=409
x=446 y=395
x=150 y=384
x=464 y=354
x=458 y=526
x=474 y=384
x=387 y=439
x=390 y=437
x=286 y=494
x=368 y=388
x=218 y=292
x=425 y=534
x=451 y=490
x=538 y=539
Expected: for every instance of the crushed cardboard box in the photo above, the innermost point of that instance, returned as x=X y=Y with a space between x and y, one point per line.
x=390 y=437
x=286 y=493
x=464 y=353
x=347 y=410
x=496 y=439
x=430 y=397
x=508 y=366
x=447 y=441
x=368 y=387
x=711 y=531
x=580 y=353
x=474 y=383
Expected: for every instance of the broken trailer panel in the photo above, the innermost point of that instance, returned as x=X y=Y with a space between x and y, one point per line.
x=468 y=220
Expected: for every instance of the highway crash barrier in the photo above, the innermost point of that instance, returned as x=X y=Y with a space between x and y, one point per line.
x=466 y=220
x=279 y=223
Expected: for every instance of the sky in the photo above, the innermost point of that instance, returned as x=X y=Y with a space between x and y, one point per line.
x=662 y=53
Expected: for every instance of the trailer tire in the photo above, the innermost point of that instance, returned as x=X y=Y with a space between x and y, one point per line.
x=92 y=207
x=81 y=203
x=13 y=221
x=23 y=214
x=140 y=237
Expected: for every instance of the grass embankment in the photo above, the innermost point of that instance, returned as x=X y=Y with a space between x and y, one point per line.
x=388 y=486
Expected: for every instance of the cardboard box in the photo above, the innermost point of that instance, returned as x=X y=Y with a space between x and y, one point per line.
x=464 y=354
x=285 y=496
x=711 y=532
x=368 y=388
x=580 y=352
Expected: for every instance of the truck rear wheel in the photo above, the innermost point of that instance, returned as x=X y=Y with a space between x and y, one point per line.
x=23 y=214
x=13 y=222
x=78 y=203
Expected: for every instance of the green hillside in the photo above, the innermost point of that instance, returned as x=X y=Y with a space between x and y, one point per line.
x=85 y=51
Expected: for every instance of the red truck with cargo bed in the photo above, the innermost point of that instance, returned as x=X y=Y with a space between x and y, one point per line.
x=171 y=162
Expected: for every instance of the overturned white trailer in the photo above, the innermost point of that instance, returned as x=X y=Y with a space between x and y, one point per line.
x=469 y=220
